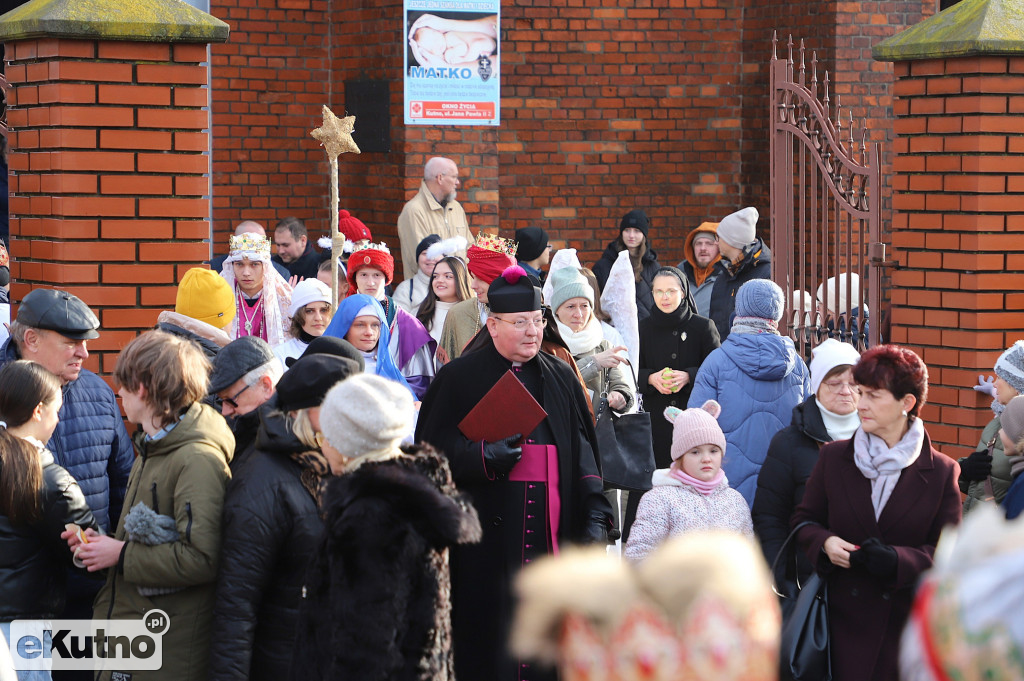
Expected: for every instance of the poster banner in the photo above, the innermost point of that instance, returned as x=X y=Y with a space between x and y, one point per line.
x=451 y=62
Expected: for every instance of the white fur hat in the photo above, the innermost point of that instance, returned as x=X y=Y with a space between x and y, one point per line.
x=739 y=229
x=308 y=291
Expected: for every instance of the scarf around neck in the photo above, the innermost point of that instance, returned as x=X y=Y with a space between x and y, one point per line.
x=882 y=465
x=704 y=488
x=839 y=426
x=584 y=340
x=670 y=320
x=754 y=325
x=315 y=470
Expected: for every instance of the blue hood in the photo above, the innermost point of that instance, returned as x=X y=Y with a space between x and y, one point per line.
x=762 y=356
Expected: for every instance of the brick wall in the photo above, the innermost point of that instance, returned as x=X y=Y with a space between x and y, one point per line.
x=108 y=194
x=607 y=108
x=958 y=229
x=267 y=85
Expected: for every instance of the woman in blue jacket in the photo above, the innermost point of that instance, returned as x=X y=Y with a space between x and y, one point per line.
x=758 y=377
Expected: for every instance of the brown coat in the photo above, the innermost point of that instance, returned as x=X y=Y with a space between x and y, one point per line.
x=866 y=616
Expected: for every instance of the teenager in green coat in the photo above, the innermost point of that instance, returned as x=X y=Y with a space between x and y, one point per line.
x=165 y=552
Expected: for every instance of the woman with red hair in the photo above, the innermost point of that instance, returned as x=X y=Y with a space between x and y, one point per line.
x=878 y=502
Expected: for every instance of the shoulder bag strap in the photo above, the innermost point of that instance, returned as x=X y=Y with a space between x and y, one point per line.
x=782 y=552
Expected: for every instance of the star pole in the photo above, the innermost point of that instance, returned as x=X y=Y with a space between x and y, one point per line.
x=335 y=136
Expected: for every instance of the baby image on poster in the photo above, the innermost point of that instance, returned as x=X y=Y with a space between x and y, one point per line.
x=454 y=40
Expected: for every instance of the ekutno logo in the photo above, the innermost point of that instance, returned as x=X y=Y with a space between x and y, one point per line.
x=119 y=645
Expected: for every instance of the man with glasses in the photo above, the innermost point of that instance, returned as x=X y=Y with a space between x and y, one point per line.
x=244 y=377
x=433 y=210
x=535 y=492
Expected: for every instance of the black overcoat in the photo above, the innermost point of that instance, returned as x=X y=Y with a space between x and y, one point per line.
x=791 y=457
x=482 y=574
x=683 y=346
x=866 y=615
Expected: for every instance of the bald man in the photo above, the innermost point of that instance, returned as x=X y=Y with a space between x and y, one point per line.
x=433 y=210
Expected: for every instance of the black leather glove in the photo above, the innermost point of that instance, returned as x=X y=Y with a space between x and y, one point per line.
x=976 y=467
x=877 y=559
x=501 y=456
x=596 y=531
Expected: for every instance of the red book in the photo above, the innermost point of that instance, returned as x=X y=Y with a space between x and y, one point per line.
x=507 y=408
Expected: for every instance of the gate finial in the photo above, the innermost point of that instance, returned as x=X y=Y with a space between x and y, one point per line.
x=825 y=99
x=775 y=41
x=814 y=73
x=803 y=68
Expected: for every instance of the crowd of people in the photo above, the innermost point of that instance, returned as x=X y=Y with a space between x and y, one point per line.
x=315 y=491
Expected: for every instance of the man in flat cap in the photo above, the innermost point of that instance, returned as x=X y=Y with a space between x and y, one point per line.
x=245 y=375
x=552 y=499
x=52 y=329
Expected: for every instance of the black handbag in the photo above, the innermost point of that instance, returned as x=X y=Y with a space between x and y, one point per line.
x=805 y=653
x=626 y=449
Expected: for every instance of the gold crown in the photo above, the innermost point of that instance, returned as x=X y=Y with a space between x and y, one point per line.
x=365 y=244
x=249 y=243
x=493 y=242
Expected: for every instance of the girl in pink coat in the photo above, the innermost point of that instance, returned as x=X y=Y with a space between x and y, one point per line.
x=693 y=493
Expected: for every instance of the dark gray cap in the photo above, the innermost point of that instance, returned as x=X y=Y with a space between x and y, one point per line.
x=58 y=311
x=238 y=358
x=306 y=383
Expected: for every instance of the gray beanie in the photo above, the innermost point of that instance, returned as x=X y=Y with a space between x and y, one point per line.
x=1010 y=366
x=366 y=414
x=738 y=229
x=1012 y=422
x=567 y=283
x=761 y=298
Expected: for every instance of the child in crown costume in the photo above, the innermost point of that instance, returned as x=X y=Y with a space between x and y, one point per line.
x=262 y=313
x=410 y=345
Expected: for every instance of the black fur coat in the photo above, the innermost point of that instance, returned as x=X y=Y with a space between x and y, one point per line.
x=377 y=597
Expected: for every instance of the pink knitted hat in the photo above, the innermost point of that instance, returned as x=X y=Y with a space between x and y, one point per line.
x=695 y=427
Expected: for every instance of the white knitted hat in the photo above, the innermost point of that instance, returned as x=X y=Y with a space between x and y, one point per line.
x=826 y=357
x=308 y=291
x=366 y=414
x=1010 y=366
x=738 y=229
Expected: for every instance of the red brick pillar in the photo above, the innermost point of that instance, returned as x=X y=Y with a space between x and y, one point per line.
x=109 y=164
x=958 y=224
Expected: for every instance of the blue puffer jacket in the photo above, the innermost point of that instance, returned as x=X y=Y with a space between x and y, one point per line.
x=90 y=442
x=758 y=379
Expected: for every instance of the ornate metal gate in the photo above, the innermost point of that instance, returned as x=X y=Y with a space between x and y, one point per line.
x=825 y=208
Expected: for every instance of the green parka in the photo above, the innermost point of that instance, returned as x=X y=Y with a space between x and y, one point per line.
x=182 y=475
x=1001 y=478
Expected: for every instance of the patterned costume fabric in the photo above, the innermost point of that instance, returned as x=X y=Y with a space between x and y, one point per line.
x=701 y=607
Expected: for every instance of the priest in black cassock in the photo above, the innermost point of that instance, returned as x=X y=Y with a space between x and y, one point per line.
x=534 y=495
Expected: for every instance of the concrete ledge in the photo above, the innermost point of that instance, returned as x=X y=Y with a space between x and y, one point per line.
x=969 y=28
x=165 y=21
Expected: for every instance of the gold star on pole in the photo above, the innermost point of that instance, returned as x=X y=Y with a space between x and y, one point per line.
x=336 y=134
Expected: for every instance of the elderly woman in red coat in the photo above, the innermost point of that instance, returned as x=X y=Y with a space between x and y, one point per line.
x=879 y=501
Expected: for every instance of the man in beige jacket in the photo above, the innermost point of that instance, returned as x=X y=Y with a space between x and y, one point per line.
x=433 y=210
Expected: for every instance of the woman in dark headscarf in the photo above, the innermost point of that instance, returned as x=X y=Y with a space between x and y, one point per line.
x=674 y=340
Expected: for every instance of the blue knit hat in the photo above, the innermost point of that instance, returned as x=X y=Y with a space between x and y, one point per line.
x=761 y=298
